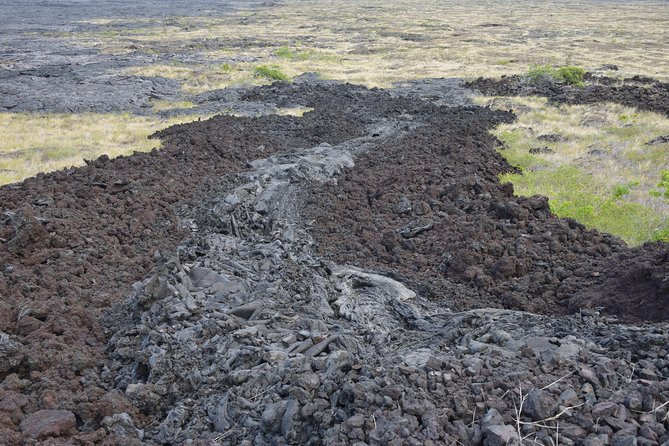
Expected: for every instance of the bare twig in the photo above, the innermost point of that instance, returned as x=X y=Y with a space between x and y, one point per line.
x=518 y=409
x=555 y=417
x=558 y=380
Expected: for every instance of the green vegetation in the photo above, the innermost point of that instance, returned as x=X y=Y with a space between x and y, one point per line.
x=576 y=194
x=270 y=72
x=285 y=52
x=572 y=75
x=159 y=105
x=663 y=186
x=661 y=235
x=621 y=190
x=664 y=182
x=602 y=174
x=569 y=74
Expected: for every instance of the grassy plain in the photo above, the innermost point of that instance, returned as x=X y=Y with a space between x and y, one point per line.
x=593 y=161
x=33 y=143
x=376 y=43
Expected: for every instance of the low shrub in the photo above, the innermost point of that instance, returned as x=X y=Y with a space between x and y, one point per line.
x=621 y=190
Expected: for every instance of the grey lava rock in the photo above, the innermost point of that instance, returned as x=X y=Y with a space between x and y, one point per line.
x=539 y=405
x=500 y=435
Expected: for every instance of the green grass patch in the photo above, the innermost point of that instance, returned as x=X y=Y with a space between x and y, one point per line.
x=663 y=185
x=287 y=53
x=602 y=174
x=569 y=74
x=662 y=235
x=575 y=194
x=270 y=72
x=620 y=190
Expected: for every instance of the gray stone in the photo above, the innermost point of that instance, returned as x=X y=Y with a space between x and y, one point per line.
x=309 y=381
x=596 y=440
x=648 y=373
x=473 y=365
x=568 y=350
x=204 y=277
x=604 y=409
x=491 y=418
x=590 y=375
x=500 y=435
x=539 y=405
x=356 y=421
x=416 y=227
x=10 y=353
x=122 y=425
x=171 y=426
x=634 y=401
x=623 y=439
x=272 y=416
x=287 y=420
x=568 y=397
x=403 y=206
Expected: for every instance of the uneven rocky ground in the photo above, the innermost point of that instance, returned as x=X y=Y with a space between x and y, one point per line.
x=641 y=92
x=353 y=276
x=41 y=70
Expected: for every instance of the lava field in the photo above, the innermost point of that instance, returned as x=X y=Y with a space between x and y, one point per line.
x=356 y=275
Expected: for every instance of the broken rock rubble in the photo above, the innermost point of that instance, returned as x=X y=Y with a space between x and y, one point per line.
x=254 y=340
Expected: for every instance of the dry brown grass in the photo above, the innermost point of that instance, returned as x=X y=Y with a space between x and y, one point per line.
x=35 y=143
x=377 y=43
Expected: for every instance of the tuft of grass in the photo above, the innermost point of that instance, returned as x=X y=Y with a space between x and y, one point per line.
x=160 y=105
x=570 y=75
x=199 y=78
x=661 y=235
x=621 y=190
x=296 y=111
x=270 y=72
x=662 y=190
x=287 y=53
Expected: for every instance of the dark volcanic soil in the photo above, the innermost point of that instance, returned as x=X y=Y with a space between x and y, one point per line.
x=75 y=240
x=255 y=332
x=430 y=208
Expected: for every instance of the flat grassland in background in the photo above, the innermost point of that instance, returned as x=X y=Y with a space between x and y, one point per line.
x=377 y=43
